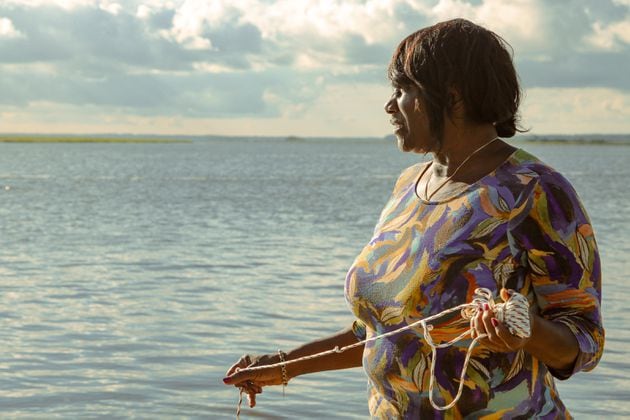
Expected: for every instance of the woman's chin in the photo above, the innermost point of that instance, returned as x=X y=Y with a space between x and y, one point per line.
x=403 y=145
x=400 y=140
x=407 y=145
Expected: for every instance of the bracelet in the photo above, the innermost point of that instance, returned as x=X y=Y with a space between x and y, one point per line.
x=283 y=370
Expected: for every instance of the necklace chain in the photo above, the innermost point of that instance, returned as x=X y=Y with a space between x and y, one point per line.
x=428 y=196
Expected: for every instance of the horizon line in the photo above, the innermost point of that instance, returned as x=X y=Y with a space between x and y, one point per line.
x=287 y=136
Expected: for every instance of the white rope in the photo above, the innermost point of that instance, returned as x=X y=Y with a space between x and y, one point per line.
x=514 y=313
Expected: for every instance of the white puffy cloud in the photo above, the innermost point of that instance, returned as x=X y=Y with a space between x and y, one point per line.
x=282 y=61
x=63 y=4
x=614 y=36
x=110 y=7
x=577 y=110
x=520 y=21
x=332 y=19
x=7 y=29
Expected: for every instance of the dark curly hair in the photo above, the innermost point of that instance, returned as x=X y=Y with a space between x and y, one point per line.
x=474 y=61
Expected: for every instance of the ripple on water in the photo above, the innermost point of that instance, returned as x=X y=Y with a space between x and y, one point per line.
x=133 y=276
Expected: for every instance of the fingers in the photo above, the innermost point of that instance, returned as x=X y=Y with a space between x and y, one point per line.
x=251 y=397
x=240 y=375
x=498 y=337
x=238 y=372
x=257 y=388
x=483 y=325
x=244 y=371
x=250 y=387
x=232 y=369
x=477 y=322
x=489 y=321
x=243 y=362
x=505 y=294
x=247 y=379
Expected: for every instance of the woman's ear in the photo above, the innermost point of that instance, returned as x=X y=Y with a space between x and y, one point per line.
x=416 y=105
x=455 y=104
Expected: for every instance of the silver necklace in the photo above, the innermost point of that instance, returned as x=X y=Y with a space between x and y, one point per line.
x=427 y=196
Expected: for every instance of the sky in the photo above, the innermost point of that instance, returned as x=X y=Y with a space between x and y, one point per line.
x=288 y=67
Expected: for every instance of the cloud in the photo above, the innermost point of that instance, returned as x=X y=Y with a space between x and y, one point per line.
x=7 y=30
x=273 y=60
x=615 y=36
x=577 y=110
x=592 y=69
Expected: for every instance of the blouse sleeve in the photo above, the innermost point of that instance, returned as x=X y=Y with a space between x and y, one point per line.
x=550 y=234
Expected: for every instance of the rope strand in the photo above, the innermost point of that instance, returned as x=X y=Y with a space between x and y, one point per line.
x=514 y=313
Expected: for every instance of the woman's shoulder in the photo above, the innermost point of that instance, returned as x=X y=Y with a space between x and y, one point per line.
x=529 y=173
x=526 y=165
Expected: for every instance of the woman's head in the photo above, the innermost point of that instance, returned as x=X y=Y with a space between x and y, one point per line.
x=455 y=61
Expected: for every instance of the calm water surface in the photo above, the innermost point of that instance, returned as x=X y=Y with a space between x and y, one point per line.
x=132 y=276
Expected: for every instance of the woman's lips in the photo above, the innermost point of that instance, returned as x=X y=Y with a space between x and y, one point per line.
x=397 y=125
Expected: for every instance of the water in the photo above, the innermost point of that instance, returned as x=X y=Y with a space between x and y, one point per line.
x=132 y=276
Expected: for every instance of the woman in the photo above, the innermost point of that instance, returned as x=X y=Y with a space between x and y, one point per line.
x=480 y=214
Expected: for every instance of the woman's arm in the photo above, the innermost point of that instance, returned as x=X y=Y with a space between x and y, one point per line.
x=348 y=359
x=254 y=380
x=552 y=343
x=551 y=236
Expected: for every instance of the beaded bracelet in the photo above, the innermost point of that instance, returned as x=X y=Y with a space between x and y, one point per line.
x=283 y=370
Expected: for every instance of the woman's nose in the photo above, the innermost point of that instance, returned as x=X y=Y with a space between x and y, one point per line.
x=390 y=106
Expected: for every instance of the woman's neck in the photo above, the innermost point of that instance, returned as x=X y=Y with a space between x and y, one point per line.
x=459 y=145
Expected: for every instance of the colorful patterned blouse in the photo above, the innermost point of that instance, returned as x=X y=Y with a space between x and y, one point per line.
x=521 y=227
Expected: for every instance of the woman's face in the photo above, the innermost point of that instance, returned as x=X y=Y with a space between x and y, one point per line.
x=409 y=118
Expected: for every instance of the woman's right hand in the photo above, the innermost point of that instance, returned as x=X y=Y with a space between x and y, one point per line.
x=253 y=381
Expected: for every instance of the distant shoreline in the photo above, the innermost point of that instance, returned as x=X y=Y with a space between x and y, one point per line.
x=575 y=141
x=580 y=140
x=85 y=139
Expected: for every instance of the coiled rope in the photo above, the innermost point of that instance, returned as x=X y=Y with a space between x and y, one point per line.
x=514 y=313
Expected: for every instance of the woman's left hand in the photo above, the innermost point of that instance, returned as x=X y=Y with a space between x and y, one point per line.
x=498 y=337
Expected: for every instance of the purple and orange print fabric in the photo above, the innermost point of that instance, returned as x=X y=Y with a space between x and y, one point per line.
x=521 y=227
